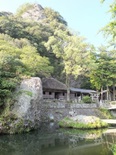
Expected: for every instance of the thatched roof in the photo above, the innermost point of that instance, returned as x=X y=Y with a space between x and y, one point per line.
x=51 y=83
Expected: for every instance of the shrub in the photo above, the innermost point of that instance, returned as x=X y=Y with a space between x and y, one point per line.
x=106 y=113
x=113 y=148
x=70 y=123
x=86 y=99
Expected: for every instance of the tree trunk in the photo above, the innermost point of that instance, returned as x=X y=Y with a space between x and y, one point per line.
x=68 y=87
x=113 y=92
x=102 y=94
x=68 y=94
x=107 y=93
x=97 y=99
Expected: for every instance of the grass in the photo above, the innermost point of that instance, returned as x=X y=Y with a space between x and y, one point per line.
x=106 y=113
x=69 y=123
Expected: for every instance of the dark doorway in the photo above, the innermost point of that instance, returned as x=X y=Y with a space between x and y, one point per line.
x=57 y=95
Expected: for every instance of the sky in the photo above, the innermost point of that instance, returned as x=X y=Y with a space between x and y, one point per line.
x=84 y=16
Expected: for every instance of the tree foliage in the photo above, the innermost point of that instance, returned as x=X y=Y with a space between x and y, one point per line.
x=72 y=50
x=105 y=72
x=19 y=58
x=23 y=8
x=49 y=48
x=110 y=28
x=54 y=17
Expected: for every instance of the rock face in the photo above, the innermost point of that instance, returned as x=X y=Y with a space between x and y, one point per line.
x=85 y=119
x=23 y=113
x=28 y=101
x=35 y=13
x=3 y=13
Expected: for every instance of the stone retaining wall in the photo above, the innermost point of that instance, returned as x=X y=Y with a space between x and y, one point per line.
x=64 y=104
x=55 y=111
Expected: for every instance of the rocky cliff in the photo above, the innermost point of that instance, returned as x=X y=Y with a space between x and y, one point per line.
x=24 y=114
x=4 y=13
x=36 y=13
x=28 y=101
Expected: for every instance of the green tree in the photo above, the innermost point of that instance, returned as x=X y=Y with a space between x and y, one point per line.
x=23 y=8
x=104 y=74
x=10 y=68
x=37 y=33
x=54 y=17
x=73 y=51
x=18 y=58
x=110 y=28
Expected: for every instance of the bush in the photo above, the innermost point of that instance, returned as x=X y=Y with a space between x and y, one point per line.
x=86 y=99
x=68 y=122
x=106 y=113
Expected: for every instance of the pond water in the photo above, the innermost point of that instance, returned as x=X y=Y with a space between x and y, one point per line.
x=54 y=141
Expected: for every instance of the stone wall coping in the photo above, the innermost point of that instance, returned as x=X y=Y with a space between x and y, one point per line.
x=59 y=105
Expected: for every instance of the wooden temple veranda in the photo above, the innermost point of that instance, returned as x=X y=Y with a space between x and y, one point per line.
x=54 y=89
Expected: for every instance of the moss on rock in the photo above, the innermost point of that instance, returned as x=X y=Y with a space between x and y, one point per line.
x=21 y=113
x=11 y=124
x=82 y=122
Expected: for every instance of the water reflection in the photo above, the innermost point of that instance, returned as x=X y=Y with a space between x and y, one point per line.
x=57 y=142
x=110 y=140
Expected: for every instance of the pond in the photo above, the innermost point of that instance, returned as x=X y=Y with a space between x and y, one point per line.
x=52 y=140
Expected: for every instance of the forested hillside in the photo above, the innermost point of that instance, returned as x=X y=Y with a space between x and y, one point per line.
x=36 y=41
